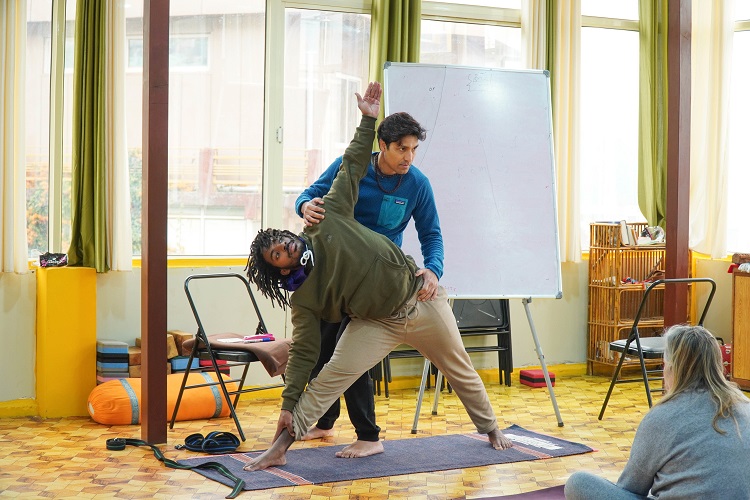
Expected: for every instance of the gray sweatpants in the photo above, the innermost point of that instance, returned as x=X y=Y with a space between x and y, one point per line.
x=586 y=486
x=429 y=327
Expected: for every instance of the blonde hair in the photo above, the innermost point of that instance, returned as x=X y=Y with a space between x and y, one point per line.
x=695 y=360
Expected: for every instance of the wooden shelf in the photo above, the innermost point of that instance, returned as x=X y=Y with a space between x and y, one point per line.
x=613 y=304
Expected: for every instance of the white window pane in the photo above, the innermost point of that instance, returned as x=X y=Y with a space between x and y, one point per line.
x=609 y=127
x=215 y=124
x=38 y=88
x=507 y=4
x=742 y=10
x=618 y=9
x=467 y=44
x=37 y=103
x=325 y=62
x=738 y=202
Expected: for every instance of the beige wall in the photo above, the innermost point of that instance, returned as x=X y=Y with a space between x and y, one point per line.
x=17 y=323
x=561 y=325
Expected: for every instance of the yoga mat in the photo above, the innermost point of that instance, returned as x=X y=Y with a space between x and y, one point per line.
x=402 y=456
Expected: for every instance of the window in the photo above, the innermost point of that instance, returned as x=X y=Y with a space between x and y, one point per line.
x=468 y=44
x=484 y=33
x=612 y=9
x=69 y=52
x=609 y=115
x=185 y=52
x=215 y=126
x=326 y=60
x=503 y=4
x=738 y=234
x=48 y=210
x=38 y=23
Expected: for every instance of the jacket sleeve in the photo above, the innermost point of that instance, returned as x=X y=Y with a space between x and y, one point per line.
x=427 y=224
x=319 y=188
x=344 y=191
x=303 y=354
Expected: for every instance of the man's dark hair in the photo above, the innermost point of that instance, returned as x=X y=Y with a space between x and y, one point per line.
x=397 y=126
x=266 y=277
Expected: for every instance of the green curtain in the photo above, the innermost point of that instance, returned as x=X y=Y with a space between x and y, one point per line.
x=652 y=130
x=88 y=227
x=395 y=29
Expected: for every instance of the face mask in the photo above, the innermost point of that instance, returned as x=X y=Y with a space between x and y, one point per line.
x=295 y=279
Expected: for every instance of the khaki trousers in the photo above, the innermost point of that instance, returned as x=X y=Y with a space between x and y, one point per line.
x=429 y=327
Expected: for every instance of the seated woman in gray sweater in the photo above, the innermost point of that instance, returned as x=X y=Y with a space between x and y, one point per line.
x=694 y=442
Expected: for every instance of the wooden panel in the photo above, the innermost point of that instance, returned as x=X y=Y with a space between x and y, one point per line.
x=741 y=329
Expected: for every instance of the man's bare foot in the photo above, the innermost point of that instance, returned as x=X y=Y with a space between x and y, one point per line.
x=499 y=441
x=316 y=433
x=359 y=449
x=275 y=455
x=267 y=459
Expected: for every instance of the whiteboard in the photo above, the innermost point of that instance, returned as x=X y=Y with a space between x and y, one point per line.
x=489 y=158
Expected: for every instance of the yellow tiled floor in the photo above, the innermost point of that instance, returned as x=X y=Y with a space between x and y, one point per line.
x=67 y=458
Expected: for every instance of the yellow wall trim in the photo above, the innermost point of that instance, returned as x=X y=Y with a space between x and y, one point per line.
x=29 y=408
x=19 y=408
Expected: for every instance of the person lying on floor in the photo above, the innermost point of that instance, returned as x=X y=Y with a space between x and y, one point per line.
x=694 y=442
x=340 y=265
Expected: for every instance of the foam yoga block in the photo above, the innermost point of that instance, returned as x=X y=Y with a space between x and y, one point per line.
x=535 y=378
x=118 y=402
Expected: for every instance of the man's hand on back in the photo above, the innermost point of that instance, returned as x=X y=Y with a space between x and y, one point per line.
x=429 y=285
x=313 y=211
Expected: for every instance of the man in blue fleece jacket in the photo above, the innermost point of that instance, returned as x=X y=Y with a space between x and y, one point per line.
x=341 y=266
x=392 y=192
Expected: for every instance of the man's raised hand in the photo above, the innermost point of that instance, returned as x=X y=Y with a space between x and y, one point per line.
x=369 y=105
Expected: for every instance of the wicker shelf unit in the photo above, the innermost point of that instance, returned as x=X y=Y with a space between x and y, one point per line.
x=613 y=302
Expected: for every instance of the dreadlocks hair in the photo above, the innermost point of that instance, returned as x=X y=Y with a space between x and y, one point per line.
x=267 y=278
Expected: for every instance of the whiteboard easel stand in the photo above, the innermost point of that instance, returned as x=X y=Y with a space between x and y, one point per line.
x=502 y=118
x=540 y=354
x=439 y=377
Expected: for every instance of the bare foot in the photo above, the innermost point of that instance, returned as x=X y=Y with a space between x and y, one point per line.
x=359 y=449
x=267 y=459
x=499 y=441
x=316 y=433
x=275 y=455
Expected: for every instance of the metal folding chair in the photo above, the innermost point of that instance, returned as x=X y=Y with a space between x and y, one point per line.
x=218 y=347
x=648 y=347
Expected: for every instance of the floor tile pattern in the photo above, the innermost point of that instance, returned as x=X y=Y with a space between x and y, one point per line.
x=67 y=458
